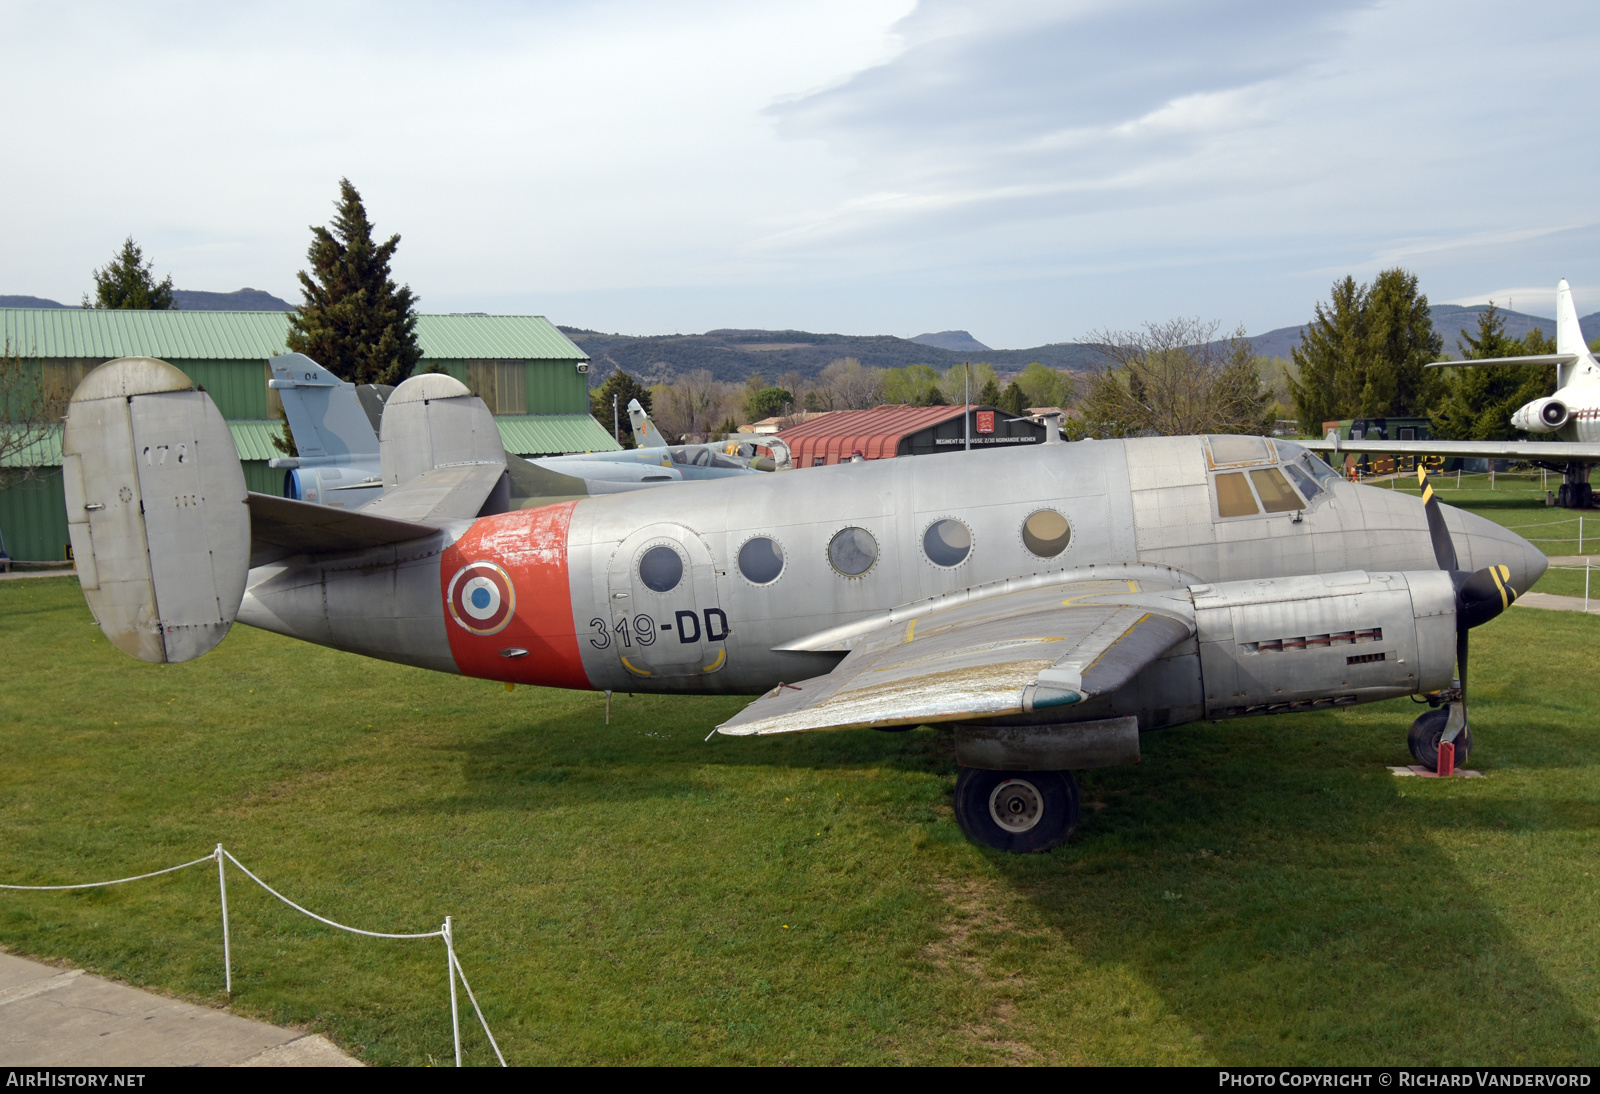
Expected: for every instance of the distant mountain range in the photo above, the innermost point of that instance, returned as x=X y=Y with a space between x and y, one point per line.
x=1452 y=321
x=733 y=355
x=186 y=299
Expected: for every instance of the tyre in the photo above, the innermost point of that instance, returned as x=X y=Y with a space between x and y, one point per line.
x=1423 y=740
x=1020 y=811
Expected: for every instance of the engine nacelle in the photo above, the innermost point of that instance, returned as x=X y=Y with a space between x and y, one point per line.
x=1304 y=643
x=1542 y=416
x=346 y=487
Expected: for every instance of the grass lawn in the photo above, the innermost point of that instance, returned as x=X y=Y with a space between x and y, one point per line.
x=1256 y=892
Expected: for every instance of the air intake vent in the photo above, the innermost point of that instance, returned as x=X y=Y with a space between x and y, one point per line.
x=1365 y=658
x=1317 y=642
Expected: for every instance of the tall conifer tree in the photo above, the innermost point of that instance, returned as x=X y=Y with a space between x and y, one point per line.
x=1363 y=354
x=128 y=282
x=355 y=322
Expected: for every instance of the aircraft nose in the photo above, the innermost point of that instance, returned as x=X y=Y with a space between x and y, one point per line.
x=1481 y=542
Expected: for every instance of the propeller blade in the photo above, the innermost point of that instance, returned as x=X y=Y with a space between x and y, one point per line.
x=1444 y=549
x=1461 y=666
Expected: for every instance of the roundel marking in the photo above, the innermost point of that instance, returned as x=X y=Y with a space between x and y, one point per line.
x=482 y=598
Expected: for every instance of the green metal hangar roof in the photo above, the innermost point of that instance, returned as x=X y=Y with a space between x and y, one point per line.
x=530 y=374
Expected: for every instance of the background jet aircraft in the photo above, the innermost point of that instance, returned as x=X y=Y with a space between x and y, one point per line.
x=1572 y=414
x=1050 y=604
x=336 y=426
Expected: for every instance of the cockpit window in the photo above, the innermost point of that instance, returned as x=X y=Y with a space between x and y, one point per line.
x=1229 y=450
x=679 y=455
x=723 y=461
x=1277 y=496
x=1233 y=496
x=1302 y=478
x=1320 y=470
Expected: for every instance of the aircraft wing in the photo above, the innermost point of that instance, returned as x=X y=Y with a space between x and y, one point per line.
x=1555 y=451
x=1053 y=646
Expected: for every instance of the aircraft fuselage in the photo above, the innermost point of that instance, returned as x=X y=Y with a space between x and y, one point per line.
x=698 y=589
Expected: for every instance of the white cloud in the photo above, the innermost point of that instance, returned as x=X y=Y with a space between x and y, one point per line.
x=1025 y=170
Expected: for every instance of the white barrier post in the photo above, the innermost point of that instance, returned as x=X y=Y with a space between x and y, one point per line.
x=227 y=948
x=1585 y=586
x=450 y=963
x=1580 y=535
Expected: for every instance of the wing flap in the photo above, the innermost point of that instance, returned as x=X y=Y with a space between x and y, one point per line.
x=980 y=663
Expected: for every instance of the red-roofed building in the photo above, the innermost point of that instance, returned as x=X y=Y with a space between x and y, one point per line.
x=888 y=431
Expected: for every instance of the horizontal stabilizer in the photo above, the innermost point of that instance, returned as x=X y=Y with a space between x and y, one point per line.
x=1531 y=359
x=455 y=492
x=301 y=527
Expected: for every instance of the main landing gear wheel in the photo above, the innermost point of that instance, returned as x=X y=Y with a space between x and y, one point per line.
x=1017 y=810
x=1423 y=740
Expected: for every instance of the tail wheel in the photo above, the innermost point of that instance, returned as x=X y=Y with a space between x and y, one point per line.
x=1018 y=811
x=1423 y=740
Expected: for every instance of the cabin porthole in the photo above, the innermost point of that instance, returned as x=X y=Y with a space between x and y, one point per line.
x=661 y=568
x=947 y=542
x=1046 y=533
x=852 y=551
x=761 y=560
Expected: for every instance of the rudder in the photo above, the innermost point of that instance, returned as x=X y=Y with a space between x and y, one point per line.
x=155 y=509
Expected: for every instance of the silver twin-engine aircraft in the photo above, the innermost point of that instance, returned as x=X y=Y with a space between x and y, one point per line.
x=1049 y=604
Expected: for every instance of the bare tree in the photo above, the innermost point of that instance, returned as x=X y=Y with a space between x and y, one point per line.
x=692 y=407
x=1175 y=378
x=852 y=385
x=30 y=416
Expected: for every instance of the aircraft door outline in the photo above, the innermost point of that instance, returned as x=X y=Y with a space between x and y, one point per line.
x=666 y=615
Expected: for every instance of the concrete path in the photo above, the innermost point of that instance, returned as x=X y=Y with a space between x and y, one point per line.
x=67 y=1018
x=1552 y=602
x=15 y=574
x=1576 y=562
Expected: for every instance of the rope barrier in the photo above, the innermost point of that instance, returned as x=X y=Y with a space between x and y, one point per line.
x=119 y=881
x=452 y=962
x=320 y=919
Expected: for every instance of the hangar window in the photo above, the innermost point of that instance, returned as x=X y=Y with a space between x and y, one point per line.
x=1277 y=496
x=761 y=560
x=947 y=542
x=1233 y=496
x=661 y=568
x=1046 y=533
x=853 y=551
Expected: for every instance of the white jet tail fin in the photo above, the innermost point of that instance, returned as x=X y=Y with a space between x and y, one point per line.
x=645 y=433
x=325 y=414
x=155 y=509
x=1569 y=336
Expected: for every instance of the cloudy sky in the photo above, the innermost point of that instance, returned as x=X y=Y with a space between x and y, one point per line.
x=1027 y=171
